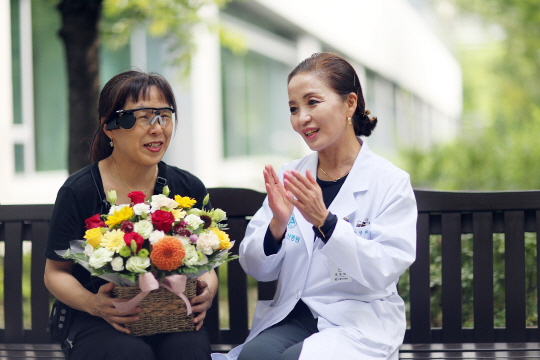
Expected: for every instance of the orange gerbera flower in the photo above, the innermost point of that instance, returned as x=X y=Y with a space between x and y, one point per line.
x=168 y=253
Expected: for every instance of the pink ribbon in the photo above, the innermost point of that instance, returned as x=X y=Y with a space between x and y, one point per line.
x=147 y=283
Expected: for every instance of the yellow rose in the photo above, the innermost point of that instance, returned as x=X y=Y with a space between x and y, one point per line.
x=185 y=201
x=113 y=240
x=224 y=241
x=93 y=236
x=124 y=214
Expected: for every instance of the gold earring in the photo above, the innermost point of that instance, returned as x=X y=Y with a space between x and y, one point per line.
x=350 y=121
x=112 y=143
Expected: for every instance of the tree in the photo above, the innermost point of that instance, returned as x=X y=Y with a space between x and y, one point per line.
x=83 y=25
x=497 y=147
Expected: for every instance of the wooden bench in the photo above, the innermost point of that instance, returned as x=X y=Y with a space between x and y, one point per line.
x=448 y=214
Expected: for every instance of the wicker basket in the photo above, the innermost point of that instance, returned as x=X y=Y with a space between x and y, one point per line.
x=163 y=311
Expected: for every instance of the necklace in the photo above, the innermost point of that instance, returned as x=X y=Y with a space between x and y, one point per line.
x=118 y=172
x=334 y=179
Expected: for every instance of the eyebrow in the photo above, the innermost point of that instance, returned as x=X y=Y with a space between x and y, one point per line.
x=308 y=95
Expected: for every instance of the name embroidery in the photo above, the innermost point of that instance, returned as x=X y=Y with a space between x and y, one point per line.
x=293 y=237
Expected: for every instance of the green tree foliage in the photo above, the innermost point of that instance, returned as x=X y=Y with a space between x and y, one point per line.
x=497 y=146
x=173 y=19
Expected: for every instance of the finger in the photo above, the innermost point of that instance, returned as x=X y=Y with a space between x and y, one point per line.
x=198 y=326
x=310 y=177
x=302 y=180
x=201 y=284
x=199 y=318
x=107 y=288
x=119 y=327
x=123 y=319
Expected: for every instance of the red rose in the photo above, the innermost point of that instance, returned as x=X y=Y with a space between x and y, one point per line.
x=94 y=222
x=162 y=220
x=136 y=197
x=133 y=236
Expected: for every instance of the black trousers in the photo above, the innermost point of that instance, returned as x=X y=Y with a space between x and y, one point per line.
x=92 y=337
x=284 y=340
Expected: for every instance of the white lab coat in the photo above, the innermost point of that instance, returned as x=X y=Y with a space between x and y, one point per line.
x=349 y=283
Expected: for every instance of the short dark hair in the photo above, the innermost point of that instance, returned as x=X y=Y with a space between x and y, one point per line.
x=130 y=85
x=339 y=75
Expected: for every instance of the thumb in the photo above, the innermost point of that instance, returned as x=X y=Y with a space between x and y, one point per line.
x=107 y=288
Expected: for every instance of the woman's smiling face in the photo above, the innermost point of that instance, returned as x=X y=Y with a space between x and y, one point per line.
x=318 y=113
x=143 y=144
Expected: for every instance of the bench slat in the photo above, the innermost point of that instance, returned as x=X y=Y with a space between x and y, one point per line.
x=420 y=331
x=483 y=277
x=451 y=277
x=515 y=275
x=237 y=284
x=537 y=230
x=13 y=311
x=40 y=308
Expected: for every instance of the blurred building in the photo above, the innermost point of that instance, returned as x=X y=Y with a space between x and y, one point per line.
x=233 y=113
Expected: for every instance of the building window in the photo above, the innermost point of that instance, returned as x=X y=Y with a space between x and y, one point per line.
x=255 y=106
x=19 y=158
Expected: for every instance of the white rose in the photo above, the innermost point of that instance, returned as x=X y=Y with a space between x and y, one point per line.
x=117 y=208
x=117 y=264
x=207 y=243
x=100 y=257
x=141 y=208
x=88 y=250
x=144 y=228
x=137 y=264
x=192 y=257
x=155 y=236
x=184 y=240
x=193 y=221
x=159 y=201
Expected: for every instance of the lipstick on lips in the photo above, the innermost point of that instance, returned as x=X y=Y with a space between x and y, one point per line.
x=310 y=133
x=154 y=146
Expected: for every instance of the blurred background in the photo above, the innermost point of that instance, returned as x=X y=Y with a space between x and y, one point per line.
x=454 y=84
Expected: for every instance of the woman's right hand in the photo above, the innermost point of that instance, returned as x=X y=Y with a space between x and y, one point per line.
x=102 y=306
x=277 y=200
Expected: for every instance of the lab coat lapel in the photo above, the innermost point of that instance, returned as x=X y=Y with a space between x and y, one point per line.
x=358 y=180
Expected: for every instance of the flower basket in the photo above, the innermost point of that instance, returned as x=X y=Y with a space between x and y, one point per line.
x=163 y=311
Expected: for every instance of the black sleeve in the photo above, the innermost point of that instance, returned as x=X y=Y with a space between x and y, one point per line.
x=67 y=223
x=270 y=245
x=327 y=229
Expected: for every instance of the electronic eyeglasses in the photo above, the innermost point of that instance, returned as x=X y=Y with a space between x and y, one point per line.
x=146 y=117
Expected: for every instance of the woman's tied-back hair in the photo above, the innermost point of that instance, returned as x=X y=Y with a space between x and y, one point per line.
x=339 y=75
x=130 y=85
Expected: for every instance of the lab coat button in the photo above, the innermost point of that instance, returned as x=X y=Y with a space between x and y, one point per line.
x=298 y=294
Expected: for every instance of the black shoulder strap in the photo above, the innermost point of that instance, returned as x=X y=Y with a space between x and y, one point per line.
x=161 y=180
x=105 y=206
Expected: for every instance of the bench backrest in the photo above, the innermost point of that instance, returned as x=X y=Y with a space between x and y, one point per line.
x=481 y=214
x=449 y=214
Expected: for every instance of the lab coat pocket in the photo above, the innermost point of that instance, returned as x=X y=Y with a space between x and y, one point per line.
x=363 y=231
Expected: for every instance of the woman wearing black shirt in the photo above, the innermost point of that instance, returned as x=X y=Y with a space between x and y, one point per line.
x=127 y=157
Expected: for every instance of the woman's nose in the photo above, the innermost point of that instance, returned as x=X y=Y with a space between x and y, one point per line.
x=156 y=128
x=304 y=118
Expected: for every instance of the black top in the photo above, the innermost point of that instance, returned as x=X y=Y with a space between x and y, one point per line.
x=330 y=189
x=82 y=196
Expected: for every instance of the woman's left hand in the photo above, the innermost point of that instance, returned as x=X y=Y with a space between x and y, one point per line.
x=201 y=303
x=306 y=196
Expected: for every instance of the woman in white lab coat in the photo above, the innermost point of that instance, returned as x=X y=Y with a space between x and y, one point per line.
x=336 y=230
